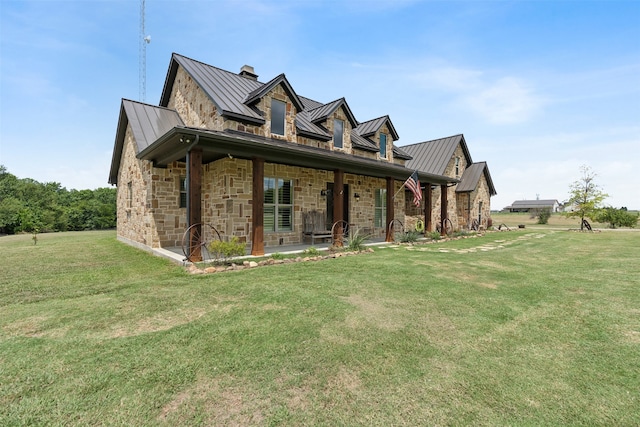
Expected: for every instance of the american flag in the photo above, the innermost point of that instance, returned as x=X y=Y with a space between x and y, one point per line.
x=413 y=184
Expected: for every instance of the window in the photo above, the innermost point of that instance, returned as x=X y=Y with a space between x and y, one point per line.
x=129 y=194
x=380 y=212
x=183 y=192
x=277 y=116
x=457 y=167
x=383 y=145
x=338 y=131
x=278 y=204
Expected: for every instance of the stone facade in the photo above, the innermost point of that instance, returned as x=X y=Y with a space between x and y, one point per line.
x=462 y=208
x=149 y=198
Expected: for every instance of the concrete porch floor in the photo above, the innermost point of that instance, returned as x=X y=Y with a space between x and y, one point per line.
x=176 y=254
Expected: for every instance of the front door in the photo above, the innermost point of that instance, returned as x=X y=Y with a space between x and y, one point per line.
x=345 y=213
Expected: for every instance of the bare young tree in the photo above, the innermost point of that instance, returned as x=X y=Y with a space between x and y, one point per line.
x=585 y=196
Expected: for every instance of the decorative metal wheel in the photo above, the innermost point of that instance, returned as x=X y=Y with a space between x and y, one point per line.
x=475 y=225
x=448 y=226
x=339 y=233
x=396 y=229
x=196 y=240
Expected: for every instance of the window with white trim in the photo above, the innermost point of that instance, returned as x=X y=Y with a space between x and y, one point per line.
x=380 y=209
x=183 y=192
x=278 y=204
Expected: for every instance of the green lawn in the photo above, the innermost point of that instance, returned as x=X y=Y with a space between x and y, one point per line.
x=522 y=328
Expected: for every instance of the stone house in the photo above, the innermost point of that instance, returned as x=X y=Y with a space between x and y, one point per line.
x=467 y=203
x=250 y=159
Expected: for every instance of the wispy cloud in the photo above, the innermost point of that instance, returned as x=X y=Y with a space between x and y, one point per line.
x=501 y=100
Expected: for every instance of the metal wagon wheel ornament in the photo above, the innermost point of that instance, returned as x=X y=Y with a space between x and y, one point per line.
x=339 y=233
x=196 y=240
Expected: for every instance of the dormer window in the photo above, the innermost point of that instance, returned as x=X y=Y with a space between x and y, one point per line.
x=277 y=116
x=383 y=145
x=338 y=131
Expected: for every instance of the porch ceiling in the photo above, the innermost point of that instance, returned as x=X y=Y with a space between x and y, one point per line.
x=173 y=146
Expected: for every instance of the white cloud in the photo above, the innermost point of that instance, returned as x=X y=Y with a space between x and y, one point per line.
x=502 y=100
x=506 y=101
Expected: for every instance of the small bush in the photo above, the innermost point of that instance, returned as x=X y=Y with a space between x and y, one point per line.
x=433 y=235
x=410 y=236
x=543 y=216
x=222 y=251
x=311 y=251
x=356 y=241
x=277 y=255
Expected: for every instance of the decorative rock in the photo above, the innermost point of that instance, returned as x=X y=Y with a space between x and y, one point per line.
x=210 y=270
x=253 y=264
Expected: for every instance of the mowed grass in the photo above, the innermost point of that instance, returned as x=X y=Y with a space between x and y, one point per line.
x=530 y=327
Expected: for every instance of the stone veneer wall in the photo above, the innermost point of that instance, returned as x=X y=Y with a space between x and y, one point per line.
x=156 y=220
x=133 y=220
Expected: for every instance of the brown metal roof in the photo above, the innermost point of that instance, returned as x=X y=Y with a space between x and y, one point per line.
x=321 y=113
x=433 y=156
x=148 y=123
x=219 y=144
x=370 y=127
x=471 y=177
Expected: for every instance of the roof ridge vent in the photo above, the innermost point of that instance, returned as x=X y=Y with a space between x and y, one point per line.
x=248 y=72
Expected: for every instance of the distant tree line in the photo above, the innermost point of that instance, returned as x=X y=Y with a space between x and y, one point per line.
x=29 y=206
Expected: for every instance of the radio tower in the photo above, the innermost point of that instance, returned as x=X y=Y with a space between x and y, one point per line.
x=144 y=40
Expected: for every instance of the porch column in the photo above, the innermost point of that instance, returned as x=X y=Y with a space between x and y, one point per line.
x=194 y=200
x=338 y=200
x=390 y=208
x=443 y=208
x=257 y=208
x=427 y=207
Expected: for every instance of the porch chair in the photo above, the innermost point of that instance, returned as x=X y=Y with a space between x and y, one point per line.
x=315 y=226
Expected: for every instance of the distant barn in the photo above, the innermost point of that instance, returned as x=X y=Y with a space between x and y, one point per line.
x=533 y=206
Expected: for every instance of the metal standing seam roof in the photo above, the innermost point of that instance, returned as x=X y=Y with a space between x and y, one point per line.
x=321 y=113
x=533 y=203
x=434 y=156
x=471 y=177
x=372 y=126
x=226 y=90
x=148 y=123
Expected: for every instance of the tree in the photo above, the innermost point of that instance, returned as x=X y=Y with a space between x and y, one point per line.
x=585 y=196
x=617 y=217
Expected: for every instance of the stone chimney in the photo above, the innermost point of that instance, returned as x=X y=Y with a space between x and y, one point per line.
x=247 y=72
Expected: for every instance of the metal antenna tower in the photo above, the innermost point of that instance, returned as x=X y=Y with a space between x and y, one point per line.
x=144 y=40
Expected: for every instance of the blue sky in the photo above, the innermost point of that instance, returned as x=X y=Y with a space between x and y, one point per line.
x=538 y=88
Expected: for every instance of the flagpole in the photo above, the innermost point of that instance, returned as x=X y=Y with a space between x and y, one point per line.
x=401 y=187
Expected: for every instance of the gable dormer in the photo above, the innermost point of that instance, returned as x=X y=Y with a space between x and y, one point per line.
x=280 y=104
x=336 y=117
x=378 y=135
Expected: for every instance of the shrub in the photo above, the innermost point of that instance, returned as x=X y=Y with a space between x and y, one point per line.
x=222 y=251
x=543 y=216
x=433 y=235
x=356 y=241
x=410 y=236
x=616 y=217
x=311 y=251
x=277 y=255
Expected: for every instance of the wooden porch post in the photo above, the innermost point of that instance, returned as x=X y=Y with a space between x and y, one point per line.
x=427 y=208
x=443 y=208
x=194 y=200
x=338 y=200
x=257 y=208
x=390 y=208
